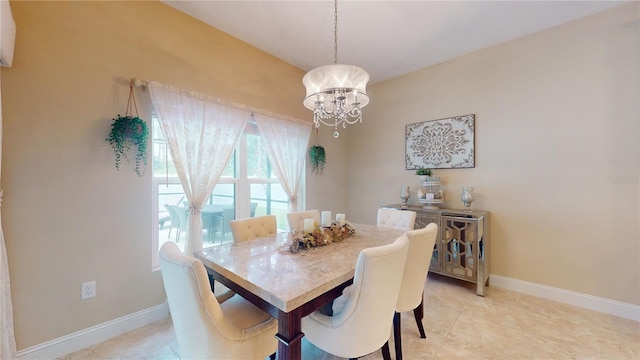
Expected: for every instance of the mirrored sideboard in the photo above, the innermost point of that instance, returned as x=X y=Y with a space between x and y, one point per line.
x=461 y=249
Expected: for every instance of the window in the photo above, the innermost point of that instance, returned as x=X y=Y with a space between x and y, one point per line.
x=247 y=187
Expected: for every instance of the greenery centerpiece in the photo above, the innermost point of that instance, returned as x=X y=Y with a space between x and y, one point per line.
x=320 y=236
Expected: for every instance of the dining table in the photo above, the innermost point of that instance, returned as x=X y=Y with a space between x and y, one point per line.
x=215 y=209
x=290 y=285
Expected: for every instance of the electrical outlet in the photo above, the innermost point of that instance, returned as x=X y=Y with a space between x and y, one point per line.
x=88 y=290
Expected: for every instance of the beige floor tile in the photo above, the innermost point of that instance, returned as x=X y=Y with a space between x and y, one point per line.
x=502 y=325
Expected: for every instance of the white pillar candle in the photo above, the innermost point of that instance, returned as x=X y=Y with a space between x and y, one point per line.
x=326 y=218
x=308 y=225
x=340 y=219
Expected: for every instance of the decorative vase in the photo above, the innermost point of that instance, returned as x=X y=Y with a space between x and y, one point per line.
x=405 y=194
x=467 y=197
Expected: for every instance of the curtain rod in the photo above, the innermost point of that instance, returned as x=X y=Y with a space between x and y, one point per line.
x=140 y=83
x=144 y=84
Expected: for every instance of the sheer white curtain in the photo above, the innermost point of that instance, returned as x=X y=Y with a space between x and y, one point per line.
x=286 y=142
x=201 y=133
x=7 y=335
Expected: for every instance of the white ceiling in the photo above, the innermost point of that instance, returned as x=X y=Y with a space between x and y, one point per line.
x=386 y=38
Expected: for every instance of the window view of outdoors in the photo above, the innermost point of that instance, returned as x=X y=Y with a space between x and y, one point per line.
x=248 y=187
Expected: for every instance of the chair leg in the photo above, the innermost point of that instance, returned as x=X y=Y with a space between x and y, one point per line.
x=418 y=313
x=212 y=283
x=386 y=355
x=397 y=335
x=272 y=356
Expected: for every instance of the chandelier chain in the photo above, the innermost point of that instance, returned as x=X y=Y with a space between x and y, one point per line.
x=335 y=32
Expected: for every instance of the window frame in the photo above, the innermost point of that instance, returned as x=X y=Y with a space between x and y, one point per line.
x=242 y=187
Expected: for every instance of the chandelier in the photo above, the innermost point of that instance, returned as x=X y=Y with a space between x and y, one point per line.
x=336 y=93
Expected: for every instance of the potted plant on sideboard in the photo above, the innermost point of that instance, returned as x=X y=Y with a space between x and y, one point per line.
x=423 y=174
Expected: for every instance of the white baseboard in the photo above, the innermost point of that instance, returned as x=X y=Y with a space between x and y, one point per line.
x=96 y=334
x=105 y=331
x=603 y=305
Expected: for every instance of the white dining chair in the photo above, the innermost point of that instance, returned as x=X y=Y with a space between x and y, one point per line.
x=396 y=218
x=208 y=327
x=362 y=314
x=179 y=220
x=253 y=228
x=296 y=219
x=421 y=242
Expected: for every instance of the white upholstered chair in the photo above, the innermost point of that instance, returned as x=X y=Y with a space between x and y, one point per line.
x=364 y=311
x=397 y=219
x=253 y=228
x=207 y=327
x=296 y=219
x=421 y=243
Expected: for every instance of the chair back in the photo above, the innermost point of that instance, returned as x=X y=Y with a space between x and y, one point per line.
x=181 y=214
x=397 y=219
x=254 y=206
x=361 y=325
x=421 y=242
x=296 y=219
x=201 y=328
x=173 y=216
x=253 y=228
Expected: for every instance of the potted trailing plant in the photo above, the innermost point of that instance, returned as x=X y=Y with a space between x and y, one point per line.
x=423 y=174
x=318 y=158
x=127 y=132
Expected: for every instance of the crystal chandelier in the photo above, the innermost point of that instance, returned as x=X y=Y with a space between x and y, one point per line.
x=336 y=93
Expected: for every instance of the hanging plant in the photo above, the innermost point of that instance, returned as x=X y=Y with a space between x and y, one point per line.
x=127 y=132
x=318 y=158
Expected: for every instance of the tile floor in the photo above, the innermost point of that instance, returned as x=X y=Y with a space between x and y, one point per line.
x=459 y=325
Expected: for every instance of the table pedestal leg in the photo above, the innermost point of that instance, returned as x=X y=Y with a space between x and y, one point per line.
x=289 y=335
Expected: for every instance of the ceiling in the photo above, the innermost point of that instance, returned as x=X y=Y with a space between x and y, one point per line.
x=386 y=38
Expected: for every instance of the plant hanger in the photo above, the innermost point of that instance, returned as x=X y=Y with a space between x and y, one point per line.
x=317 y=155
x=129 y=131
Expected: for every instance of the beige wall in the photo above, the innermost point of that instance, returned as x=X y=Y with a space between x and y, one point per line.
x=557 y=154
x=68 y=215
x=557 y=123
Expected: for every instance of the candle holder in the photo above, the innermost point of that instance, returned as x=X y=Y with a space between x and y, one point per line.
x=405 y=194
x=467 y=197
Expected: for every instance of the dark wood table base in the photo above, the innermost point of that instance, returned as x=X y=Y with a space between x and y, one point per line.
x=289 y=323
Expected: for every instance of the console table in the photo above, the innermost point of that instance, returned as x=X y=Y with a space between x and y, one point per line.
x=461 y=247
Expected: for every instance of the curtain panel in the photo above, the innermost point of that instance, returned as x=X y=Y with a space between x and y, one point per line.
x=286 y=143
x=7 y=334
x=201 y=134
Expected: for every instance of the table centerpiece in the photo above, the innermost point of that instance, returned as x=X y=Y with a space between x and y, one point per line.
x=320 y=235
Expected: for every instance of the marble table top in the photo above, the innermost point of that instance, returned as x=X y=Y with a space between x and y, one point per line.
x=288 y=280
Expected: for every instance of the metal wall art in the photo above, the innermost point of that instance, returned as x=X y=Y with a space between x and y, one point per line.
x=440 y=144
